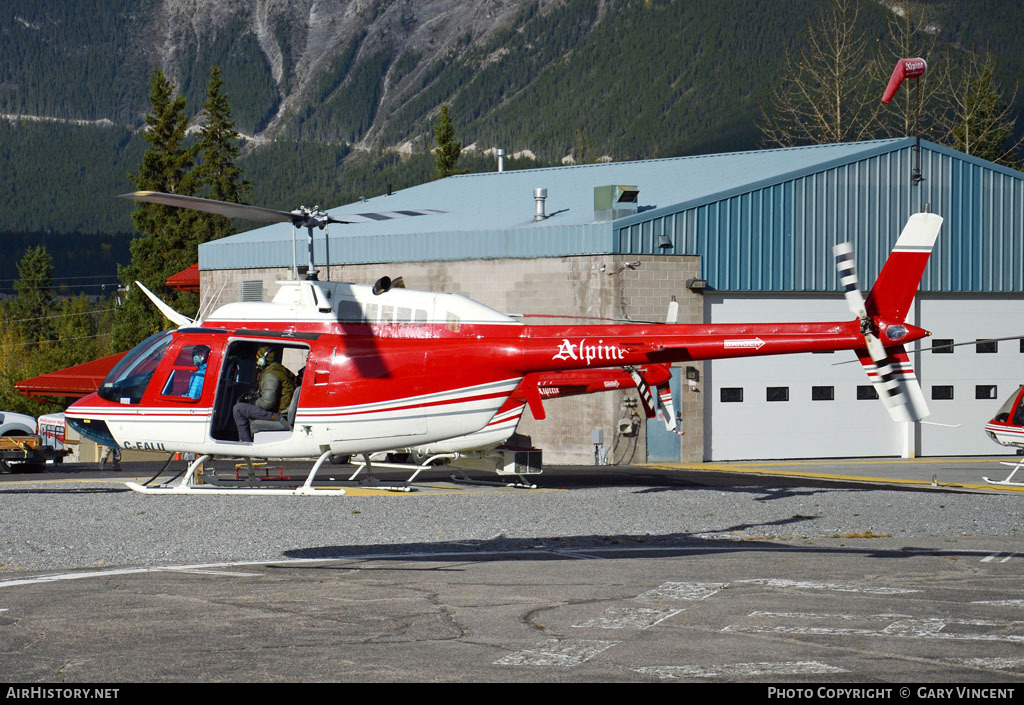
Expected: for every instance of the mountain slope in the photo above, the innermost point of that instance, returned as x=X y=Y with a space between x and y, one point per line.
x=326 y=91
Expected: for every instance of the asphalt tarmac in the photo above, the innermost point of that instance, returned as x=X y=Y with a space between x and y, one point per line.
x=856 y=607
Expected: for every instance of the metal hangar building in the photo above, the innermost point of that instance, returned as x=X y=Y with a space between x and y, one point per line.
x=734 y=237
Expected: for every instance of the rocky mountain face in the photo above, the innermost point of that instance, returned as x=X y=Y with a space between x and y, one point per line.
x=337 y=97
x=284 y=61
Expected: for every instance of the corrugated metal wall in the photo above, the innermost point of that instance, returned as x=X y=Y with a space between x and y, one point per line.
x=779 y=237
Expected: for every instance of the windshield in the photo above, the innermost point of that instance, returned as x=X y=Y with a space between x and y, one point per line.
x=127 y=381
x=1004 y=411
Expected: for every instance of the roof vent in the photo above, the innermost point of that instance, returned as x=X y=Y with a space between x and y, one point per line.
x=540 y=195
x=611 y=202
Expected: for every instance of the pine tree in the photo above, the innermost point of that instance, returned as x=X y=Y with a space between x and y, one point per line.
x=218 y=175
x=162 y=249
x=32 y=311
x=448 y=149
x=981 y=122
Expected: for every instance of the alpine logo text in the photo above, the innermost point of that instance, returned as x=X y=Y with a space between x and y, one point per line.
x=582 y=351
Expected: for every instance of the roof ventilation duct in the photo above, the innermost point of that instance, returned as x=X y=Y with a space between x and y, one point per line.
x=612 y=202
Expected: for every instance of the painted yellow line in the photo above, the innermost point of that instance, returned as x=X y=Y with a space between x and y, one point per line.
x=875 y=461
x=118 y=481
x=831 y=476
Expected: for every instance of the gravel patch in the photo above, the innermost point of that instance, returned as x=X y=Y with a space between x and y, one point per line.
x=58 y=526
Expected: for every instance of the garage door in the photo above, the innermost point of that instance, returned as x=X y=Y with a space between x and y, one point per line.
x=965 y=385
x=791 y=406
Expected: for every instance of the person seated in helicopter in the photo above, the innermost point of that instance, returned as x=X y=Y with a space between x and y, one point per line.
x=272 y=396
x=200 y=356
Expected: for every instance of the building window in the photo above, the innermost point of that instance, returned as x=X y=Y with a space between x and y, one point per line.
x=823 y=393
x=866 y=391
x=985 y=391
x=942 y=345
x=942 y=391
x=777 y=394
x=987 y=346
x=732 y=394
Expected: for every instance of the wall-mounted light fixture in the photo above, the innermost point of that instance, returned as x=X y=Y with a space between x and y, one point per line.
x=664 y=242
x=697 y=285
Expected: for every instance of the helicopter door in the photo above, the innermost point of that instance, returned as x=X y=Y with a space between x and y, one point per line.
x=239 y=376
x=184 y=388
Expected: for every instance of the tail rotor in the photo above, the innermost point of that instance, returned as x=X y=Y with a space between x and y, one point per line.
x=888 y=366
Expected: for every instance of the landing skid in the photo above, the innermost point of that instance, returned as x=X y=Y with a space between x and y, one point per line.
x=502 y=462
x=188 y=485
x=1009 y=480
x=465 y=479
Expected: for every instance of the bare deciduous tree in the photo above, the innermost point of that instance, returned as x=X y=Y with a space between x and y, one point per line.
x=824 y=94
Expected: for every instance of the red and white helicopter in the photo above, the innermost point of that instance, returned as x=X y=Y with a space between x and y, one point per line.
x=1007 y=429
x=388 y=368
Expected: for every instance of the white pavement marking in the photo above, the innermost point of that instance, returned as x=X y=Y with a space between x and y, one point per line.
x=833 y=587
x=992 y=557
x=1002 y=664
x=742 y=670
x=202 y=571
x=681 y=591
x=1000 y=603
x=891 y=625
x=628 y=618
x=556 y=652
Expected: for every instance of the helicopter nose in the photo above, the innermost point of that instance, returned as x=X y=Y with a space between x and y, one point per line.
x=94 y=429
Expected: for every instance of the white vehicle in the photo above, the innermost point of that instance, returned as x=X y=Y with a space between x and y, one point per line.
x=12 y=424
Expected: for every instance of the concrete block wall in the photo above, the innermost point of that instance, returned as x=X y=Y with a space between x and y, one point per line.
x=638 y=287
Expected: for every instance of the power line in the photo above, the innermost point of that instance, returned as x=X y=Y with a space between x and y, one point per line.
x=59 y=315
x=56 y=340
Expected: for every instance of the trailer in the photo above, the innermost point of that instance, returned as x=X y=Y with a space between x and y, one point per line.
x=27 y=446
x=27 y=454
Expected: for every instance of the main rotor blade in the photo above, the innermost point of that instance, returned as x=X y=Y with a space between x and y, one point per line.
x=380 y=215
x=208 y=205
x=301 y=217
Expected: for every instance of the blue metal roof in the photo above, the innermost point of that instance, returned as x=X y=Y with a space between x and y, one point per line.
x=760 y=220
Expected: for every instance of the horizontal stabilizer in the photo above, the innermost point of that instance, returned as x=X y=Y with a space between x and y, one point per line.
x=667 y=408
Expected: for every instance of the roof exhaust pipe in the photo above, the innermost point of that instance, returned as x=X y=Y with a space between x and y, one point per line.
x=540 y=195
x=501 y=160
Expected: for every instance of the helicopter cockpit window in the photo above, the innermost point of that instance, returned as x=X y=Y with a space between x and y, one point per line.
x=188 y=376
x=1004 y=411
x=129 y=378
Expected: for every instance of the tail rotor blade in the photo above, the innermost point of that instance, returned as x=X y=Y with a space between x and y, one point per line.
x=897 y=386
x=848 y=278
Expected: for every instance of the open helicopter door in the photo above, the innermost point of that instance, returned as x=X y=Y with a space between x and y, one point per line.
x=1007 y=428
x=239 y=380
